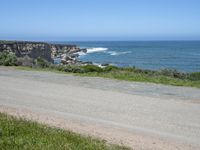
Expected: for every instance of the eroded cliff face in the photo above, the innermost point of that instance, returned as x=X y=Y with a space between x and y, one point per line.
x=31 y=49
x=44 y=50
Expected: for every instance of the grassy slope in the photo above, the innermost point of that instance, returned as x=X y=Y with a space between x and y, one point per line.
x=129 y=76
x=22 y=134
x=139 y=77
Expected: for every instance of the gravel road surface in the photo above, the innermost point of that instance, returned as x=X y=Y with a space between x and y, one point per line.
x=140 y=115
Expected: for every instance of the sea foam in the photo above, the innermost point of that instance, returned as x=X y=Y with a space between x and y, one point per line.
x=97 y=49
x=114 y=53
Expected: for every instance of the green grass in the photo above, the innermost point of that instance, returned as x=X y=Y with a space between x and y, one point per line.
x=140 y=77
x=20 y=134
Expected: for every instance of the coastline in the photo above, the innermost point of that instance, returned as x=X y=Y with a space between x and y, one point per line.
x=182 y=56
x=123 y=54
x=34 y=55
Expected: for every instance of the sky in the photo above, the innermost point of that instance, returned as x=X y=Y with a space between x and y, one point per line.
x=88 y=20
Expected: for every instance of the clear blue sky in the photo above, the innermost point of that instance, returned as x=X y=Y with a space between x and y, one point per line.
x=100 y=19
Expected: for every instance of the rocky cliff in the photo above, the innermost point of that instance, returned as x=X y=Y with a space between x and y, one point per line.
x=67 y=53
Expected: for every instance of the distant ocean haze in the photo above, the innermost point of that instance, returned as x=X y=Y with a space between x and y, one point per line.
x=180 y=55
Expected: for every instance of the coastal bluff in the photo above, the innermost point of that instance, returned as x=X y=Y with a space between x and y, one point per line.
x=67 y=53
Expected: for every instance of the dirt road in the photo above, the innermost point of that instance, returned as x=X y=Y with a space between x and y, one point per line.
x=140 y=115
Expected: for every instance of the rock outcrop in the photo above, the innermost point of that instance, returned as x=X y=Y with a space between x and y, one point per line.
x=67 y=53
x=31 y=49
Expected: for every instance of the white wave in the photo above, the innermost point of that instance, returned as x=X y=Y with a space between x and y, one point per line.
x=97 y=49
x=81 y=53
x=114 y=53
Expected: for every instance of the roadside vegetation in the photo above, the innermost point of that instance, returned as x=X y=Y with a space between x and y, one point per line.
x=21 y=134
x=8 y=59
x=166 y=76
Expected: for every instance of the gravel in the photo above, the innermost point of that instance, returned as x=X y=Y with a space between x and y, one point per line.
x=140 y=115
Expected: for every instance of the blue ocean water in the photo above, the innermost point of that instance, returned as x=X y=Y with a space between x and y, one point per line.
x=181 y=55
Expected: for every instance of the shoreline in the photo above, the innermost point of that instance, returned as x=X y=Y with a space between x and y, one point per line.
x=35 y=56
x=63 y=53
x=146 y=55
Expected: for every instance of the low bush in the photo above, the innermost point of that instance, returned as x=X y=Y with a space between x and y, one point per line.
x=25 y=61
x=92 y=68
x=110 y=68
x=194 y=76
x=73 y=69
x=8 y=59
x=173 y=73
x=145 y=71
x=40 y=62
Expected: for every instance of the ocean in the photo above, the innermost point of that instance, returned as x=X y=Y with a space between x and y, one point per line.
x=180 y=55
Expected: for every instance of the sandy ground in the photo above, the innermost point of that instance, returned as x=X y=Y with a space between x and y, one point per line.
x=139 y=115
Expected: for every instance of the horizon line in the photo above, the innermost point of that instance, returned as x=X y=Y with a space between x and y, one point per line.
x=198 y=40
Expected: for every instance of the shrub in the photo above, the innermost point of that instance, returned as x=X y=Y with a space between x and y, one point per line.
x=194 y=76
x=40 y=62
x=130 y=69
x=58 y=67
x=76 y=69
x=92 y=68
x=8 y=59
x=70 y=68
x=110 y=68
x=173 y=73
x=25 y=61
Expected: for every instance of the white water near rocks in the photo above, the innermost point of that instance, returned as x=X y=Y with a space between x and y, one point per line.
x=154 y=55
